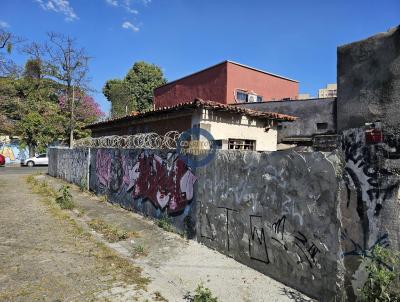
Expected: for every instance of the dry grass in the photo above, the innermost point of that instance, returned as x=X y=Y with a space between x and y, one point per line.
x=122 y=268
x=159 y=297
x=110 y=232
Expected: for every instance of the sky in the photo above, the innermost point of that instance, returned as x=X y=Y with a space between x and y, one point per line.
x=292 y=38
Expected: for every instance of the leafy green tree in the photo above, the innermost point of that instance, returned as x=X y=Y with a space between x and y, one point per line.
x=118 y=93
x=135 y=91
x=39 y=129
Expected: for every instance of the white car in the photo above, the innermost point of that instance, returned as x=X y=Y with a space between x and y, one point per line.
x=39 y=160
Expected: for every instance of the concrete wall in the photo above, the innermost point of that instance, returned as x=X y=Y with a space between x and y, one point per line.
x=304 y=218
x=369 y=81
x=370 y=205
x=70 y=165
x=154 y=183
x=276 y=212
x=309 y=113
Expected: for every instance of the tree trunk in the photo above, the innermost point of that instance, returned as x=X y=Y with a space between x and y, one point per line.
x=71 y=133
x=31 y=150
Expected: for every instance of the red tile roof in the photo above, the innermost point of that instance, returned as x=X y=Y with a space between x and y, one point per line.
x=197 y=103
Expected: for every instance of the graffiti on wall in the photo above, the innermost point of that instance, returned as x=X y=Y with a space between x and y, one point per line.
x=372 y=188
x=366 y=175
x=13 y=151
x=72 y=165
x=166 y=183
x=263 y=237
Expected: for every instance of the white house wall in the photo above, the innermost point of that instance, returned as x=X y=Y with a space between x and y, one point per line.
x=224 y=126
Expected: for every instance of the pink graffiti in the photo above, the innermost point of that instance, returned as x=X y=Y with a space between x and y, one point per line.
x=103 y=167
x=166 y=187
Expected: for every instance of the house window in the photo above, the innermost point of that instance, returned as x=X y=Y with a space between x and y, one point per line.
x=241 y=144
x=322 y=126
x=243 y=97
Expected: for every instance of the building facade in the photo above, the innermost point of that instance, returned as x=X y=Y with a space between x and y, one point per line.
x=329 y=92
x=231 y=127
x=227 y=83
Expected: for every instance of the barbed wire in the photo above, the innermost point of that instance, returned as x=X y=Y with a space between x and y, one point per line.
x=138 y=141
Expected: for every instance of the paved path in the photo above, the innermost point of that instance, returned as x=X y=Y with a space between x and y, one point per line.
x=40 y=257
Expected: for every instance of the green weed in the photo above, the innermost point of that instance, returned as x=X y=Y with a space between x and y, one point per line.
x=203 y=294
x=165 y=223
x=139 y=250
x=110 y=232
x=65 y=199
x=383 y=282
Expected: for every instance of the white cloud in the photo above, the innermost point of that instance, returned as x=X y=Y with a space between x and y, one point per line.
x=59 y=6
x=145 y=2
x=130 y=26
x=4 y=24
x=112 y=2
x=125 y=4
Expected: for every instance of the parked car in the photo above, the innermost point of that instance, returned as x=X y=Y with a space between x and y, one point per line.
x=39 y=160
x=2 y=160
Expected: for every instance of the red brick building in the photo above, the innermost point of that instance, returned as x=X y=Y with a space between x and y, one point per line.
x=227 y=83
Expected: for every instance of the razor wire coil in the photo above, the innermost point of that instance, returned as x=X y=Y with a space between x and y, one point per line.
x=137 y=141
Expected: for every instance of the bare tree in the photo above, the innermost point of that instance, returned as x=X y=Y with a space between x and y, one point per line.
x=7 y=42
x=67 y=64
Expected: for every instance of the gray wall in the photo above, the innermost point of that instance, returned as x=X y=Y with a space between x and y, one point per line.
x=369 y=81
x=154 y=183
x=370 y=208
x=70 y=166
x=276 y=212
x=304 y=218
x=309 y=113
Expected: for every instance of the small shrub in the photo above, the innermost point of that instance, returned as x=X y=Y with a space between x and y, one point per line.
x=83 y=185
x=203 y=294
x=165 y=223
x=65 y=199
x=383 y=282
x=139 y=250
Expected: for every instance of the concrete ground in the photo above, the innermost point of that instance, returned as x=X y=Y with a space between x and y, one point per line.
x=48 y=254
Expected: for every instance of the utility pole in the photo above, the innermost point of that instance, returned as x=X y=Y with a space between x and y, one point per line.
x=71 y=133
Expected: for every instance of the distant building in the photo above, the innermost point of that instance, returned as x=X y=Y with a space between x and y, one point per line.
x=304 y=96
x=315 y=124
x=231 y=127
x=227 y=83
x=329 y=92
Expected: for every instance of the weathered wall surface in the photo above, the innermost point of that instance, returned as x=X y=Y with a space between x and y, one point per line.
x=304 y=218
x=154 y=183
x=315 y=116
x=370 y=208
x=70 y=165
x=276 y=212
x=369 y=81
